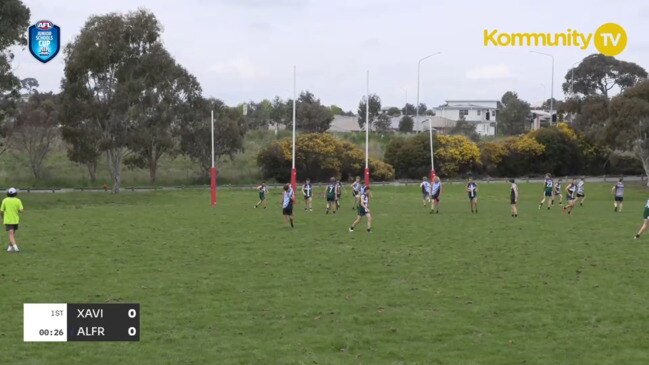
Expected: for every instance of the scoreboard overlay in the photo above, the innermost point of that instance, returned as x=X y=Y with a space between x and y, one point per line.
x=63 y=322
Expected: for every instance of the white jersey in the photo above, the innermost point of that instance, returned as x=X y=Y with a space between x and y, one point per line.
x=647 y=206
x=356 y=186
x=425 y=187
x=580 y=187
x=288 y=195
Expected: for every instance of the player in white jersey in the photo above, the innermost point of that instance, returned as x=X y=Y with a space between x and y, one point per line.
x=356 y=191
x=425 y=190
x=581 y=194
x=287 y=204
x=557 y=193
x=618 y=190
x=435 y=193
x=307 y=192
x=472 y=191
x=645 y=224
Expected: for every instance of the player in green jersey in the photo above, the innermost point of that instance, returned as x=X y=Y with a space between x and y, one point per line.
x=263 y=190
x=330 y=195
x=548 y=184
x=645 y=224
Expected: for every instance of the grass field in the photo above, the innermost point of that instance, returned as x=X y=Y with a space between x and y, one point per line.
x=231 y=285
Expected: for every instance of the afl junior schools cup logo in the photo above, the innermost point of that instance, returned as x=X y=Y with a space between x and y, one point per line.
x=44 y=40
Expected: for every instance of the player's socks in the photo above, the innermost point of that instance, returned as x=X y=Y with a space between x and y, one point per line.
x=369 y=230
x=292 y=223
x=615 y=209
x=636 y=236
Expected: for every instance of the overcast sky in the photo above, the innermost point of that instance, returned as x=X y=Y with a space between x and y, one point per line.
x=243 y=50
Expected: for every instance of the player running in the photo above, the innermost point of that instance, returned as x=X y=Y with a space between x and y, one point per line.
x=513 y=198
x=571 y=196
x=435 y=192
x=330 y=195
x=618 y=189
x=581 y=195
x=10 y=212
x=645 y=224
x=307 y=192
x=472 y=191
x=356 y=191
x=557 y=193
x=425 y=190
x=339 y=192
x=548 y=184
x=263 y=190
x=287 y=204
x=363 y=210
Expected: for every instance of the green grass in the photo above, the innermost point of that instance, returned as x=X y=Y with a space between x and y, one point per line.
x=231 y=285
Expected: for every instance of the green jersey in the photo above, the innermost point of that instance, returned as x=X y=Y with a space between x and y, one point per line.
x=331 y=192
x=646 y=210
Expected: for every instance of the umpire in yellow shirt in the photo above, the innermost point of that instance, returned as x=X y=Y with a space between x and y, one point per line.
x=9 y=210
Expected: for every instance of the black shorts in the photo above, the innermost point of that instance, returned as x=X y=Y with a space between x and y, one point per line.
x=288 y=210
x=354 y=193
x=435 y=197
x=307 y=197
x=581 y=195
x=331 y=200
x=471 y=197
x=512 y=200
x=619 y=199
x=361 y=212
x=424 y=195
x=9 y=227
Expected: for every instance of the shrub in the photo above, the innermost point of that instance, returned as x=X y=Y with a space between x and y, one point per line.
x=318 y=156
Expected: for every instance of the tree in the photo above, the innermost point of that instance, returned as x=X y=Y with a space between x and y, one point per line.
x=162 y=98
x=101 y=65
x=311 y=115
x=35 y=129
x=394 y=112
x=422 y=109
x=467 y=129
x=281 y=112
x=408 y=109
x=513 y=117
x=406 y=124
x=195 y=133
x=14 y=20
x=598 y=75
x=259 y=114
x=30 y=84
x=591 y=117
x=383 y=123
x=628 y=127
x=374 y=110
x=83 y=145
x=336 y=110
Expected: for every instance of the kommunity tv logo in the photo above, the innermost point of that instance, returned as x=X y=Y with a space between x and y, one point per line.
x=609 y=39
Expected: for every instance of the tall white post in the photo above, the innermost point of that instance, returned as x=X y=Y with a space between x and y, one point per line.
x=294 y=101
x=367 y=120
x=212 y=134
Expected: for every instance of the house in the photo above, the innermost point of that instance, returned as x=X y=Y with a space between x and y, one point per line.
x=483 y=113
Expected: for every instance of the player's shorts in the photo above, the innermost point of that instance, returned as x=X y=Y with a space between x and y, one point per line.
x=474 y=196
x=354 y=193
x=424 y=195
x=619 y=199
x=646 y=213
x=9 y=227
x=580 y=195
x=435 y=197
x=361 y=212
x=571 y=197
x=557 y=193
x=288 y=210
x=307 y=197
x=512 y=200
x=262 y=196
x=547 y=193
x=331 y=199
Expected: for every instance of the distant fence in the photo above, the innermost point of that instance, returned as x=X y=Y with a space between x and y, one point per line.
x=593 y=179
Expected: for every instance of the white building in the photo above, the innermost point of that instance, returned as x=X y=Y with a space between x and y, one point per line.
x=483 y=113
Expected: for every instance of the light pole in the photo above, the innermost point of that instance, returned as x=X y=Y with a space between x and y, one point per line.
x=418 y=76
x=551 y=83
x=432 y=166
x=432 y=161
x=572 y=78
